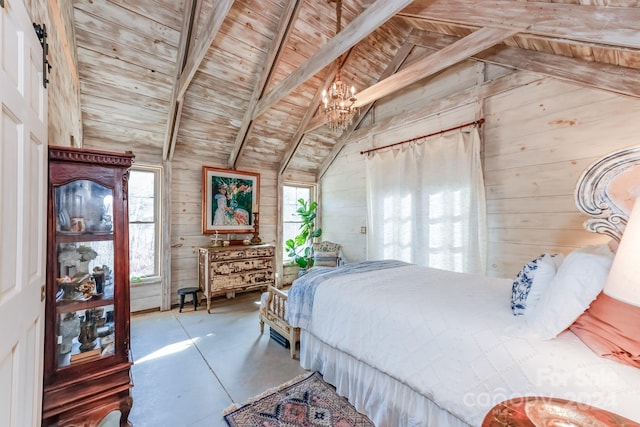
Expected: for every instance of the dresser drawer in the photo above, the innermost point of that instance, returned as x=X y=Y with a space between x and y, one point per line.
x=228 y=267
x=242 y=280
x=217 y=255
x=266 y=251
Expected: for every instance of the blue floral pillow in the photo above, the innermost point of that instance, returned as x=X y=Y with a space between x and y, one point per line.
x=522 y=285
x=532 y=281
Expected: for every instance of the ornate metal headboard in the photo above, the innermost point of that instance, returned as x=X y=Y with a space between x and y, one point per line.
x=607 y=190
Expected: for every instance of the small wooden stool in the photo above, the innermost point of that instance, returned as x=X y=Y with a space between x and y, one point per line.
x=189 y=291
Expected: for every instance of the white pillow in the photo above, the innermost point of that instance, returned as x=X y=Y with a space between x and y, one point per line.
x=532 y=282
x=547 y=269
x=578 y=281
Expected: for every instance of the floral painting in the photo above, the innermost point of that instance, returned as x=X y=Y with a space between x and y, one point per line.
x=229 y=200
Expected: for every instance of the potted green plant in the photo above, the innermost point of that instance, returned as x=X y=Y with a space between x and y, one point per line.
x=299 y=248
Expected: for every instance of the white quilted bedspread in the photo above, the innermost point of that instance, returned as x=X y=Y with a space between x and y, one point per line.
x=453 y=338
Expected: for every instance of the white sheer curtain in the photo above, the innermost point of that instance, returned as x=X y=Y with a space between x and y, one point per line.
x=426 y=203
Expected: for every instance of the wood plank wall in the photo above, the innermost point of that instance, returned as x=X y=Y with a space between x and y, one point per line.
x=65 y=118
x=186 y=211
x=538 y=139
x=343 y=202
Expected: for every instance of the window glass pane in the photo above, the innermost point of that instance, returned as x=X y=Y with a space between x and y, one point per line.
x=289 y=230
x=143 y=229
x=142 y=244
x=291 y=220
x=290 y=202
x=141 y=196
x=289 y=213
x=141 y=183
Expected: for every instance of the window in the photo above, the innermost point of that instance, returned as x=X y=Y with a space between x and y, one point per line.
x=144 y=262
x=427 y=204
x=290 y=219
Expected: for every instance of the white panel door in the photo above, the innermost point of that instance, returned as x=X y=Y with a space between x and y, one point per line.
x=23 y=202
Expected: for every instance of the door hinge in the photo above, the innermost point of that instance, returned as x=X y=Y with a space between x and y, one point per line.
x=43 y=293
x=41 y=32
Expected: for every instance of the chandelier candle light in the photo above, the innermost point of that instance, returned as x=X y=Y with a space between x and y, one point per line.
x=339 y=101
x=339 y=104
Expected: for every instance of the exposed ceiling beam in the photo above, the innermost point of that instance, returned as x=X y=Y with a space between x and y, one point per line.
x=452 y=54
x=364 y=24
x=612 y=78
x=279 y=41
x=617 y=26
x=189 y=65
x=298 y=136
x=319 y=120
x=393 y=66
x=173 y=118
x=456 y=100
x=203 y=42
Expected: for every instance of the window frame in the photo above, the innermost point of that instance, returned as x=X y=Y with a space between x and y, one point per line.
x=313 y=191
x=157 y=189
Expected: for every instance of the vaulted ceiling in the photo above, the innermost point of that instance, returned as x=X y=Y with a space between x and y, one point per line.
x=240 y=81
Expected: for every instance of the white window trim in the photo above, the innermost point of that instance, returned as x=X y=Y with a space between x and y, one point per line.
x=313 y=196
x=158 y=171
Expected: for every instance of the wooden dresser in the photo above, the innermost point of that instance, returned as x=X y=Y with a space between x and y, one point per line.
x=227 y=270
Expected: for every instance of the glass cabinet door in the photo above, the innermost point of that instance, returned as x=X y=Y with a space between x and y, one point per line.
x=84 y=206
x=85 y=335
x=84 y=272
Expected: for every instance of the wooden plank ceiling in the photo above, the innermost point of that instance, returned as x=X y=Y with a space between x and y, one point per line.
x=239 y=82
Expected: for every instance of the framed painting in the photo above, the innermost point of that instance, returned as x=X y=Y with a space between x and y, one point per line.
x=229 y=200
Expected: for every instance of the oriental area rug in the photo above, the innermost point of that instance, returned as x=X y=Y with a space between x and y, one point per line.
x=306 y=401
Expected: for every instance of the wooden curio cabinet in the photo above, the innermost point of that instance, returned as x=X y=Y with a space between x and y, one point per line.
x=87 y=359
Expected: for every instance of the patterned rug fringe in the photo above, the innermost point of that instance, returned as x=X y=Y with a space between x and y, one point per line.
x=236 y=406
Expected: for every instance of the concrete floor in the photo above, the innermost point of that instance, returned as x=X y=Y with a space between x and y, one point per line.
x=190 y=366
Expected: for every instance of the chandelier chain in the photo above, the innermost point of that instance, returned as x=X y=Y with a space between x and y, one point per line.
x=338 y=101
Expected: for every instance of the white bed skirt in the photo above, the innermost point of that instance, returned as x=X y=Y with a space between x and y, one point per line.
x=387 y=402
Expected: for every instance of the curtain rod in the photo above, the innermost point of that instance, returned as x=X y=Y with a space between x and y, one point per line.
x=477 y=122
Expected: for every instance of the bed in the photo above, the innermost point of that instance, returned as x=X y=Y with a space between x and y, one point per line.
x=414 y=346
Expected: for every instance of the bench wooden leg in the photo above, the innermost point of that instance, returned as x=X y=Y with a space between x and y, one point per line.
x=292 y=346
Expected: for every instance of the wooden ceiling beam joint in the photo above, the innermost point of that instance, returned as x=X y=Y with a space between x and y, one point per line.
x=611 y=78
x=188 y=64
x=279 y=41
x=614 y=26
x=203 y=41
x=395 y=64
x=363 y=25
x=462 y=49
x=313 y=106
x=175 y=103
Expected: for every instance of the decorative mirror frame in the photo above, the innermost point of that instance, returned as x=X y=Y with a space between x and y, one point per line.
x=607 y=190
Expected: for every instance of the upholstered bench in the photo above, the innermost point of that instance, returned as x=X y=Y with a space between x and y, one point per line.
x=273 y=304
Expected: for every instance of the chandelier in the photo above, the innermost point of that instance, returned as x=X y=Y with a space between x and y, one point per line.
x=339 y=100
x=339 y=104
